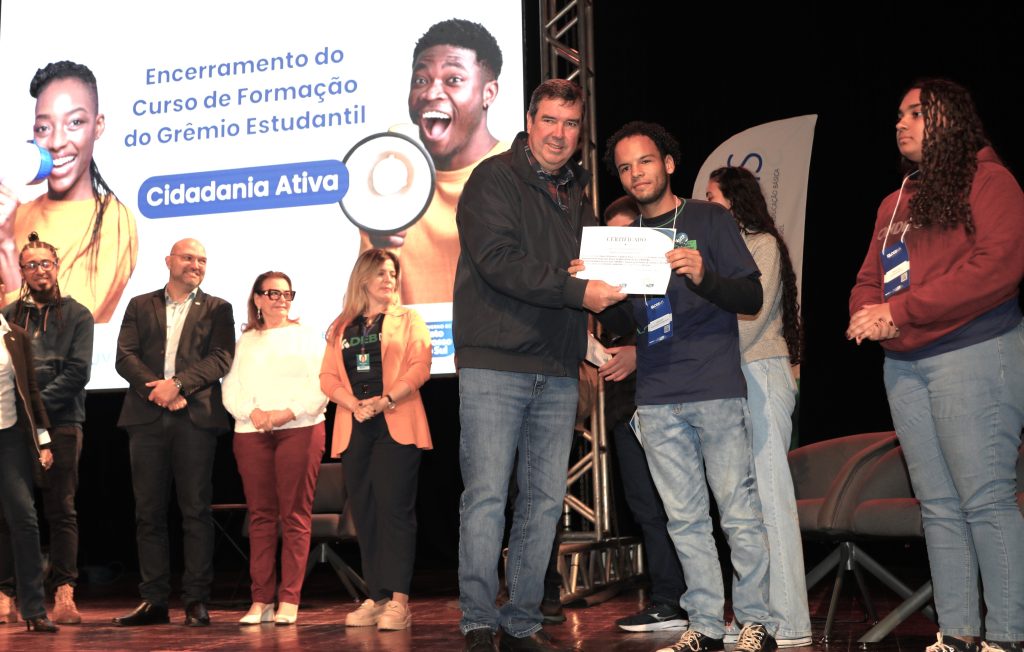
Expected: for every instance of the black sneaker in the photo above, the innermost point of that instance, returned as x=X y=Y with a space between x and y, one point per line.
x=654 y=619
x=694 y=641
x=755 y=638
x=952 y=644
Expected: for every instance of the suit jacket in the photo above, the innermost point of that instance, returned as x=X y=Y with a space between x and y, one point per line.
x=28 y=401
x=405 y=358
x=205 y=350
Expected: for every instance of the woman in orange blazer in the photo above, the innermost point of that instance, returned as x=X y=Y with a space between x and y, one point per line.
x=378 y=356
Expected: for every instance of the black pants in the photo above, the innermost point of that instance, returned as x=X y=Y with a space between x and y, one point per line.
x=173 y=449
x=666 y=574
x=59 y=509
x=381 y=477
x=18 y=461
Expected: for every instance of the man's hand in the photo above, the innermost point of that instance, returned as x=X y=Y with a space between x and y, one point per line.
x=687 y=262
x=576 y=266
x=621 y=365
x=599 y=295
x=46 y=458
x=163 y=392
x=177 y=404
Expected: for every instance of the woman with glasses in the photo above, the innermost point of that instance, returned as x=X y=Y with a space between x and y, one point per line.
x=378 y=356
x=273 y=392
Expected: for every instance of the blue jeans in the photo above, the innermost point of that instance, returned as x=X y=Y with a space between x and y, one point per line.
x=681 y=442
x=959 y=416
x=502 y=413
x=771 y=397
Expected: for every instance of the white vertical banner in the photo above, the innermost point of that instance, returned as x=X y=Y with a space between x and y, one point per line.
x=779 y=155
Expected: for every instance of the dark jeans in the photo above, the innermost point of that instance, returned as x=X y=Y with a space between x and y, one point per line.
x=172 y=449
x=17 y=460
x=663 y=567
x=381 y=477
x=59 y=509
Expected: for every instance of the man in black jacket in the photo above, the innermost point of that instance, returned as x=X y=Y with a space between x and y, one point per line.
x=520 y=332
x=61 y=331
x=174 y=346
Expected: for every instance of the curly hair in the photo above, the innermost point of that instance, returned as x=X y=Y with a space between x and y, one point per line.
x=101 y=192
x=740 y=187
x=953 y=134
x=667 y=145
x=463 y=34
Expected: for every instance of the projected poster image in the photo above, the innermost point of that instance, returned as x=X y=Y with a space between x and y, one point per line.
x=79 y=214
x=281 y=137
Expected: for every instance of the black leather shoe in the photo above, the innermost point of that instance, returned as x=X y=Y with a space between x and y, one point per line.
x=479 y=640
x=146 y=613
x=41 y=624
x=538 y=641
x=196 y=614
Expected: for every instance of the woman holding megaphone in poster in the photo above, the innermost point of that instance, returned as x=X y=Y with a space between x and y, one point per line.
x=93 y=232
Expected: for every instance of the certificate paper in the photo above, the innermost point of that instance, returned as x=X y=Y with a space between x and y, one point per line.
x=629 y=256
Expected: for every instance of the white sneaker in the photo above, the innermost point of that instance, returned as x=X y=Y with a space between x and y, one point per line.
x=259 y=612
x=366 y=615
x=396 y=616
x=732 y=634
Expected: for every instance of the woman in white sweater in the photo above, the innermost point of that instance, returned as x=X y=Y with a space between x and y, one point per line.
x=770 y=343
x=273 y=392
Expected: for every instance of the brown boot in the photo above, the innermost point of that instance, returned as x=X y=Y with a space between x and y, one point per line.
x=64 y=610
x=8 y=611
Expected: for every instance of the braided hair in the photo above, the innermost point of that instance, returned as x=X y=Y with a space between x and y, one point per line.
x=22 y=310
x=101 y=192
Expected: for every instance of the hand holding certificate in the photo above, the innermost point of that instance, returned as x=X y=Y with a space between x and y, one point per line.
x=630 y=257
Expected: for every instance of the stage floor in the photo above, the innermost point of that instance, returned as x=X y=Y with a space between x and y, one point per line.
x=435 y=624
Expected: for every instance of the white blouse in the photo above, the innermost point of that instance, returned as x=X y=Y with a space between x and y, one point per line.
x=276 y=369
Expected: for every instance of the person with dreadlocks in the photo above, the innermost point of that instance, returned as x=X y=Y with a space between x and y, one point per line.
x=770 y=342
x=939 y=290
x=79 y=214
x=61 y=333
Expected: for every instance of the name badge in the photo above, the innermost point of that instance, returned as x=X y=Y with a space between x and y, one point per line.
x=659 y=320
x=362 y=362
x=896 y=267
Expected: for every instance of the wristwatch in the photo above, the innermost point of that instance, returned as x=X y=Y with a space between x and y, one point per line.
x=391 y=402
x=177 y=383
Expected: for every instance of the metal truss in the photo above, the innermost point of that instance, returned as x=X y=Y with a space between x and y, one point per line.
x=593 y=561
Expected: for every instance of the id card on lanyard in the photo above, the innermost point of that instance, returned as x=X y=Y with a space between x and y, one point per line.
x=896 y=269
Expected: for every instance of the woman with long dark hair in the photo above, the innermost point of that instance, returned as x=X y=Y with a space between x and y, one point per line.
x=770 y=342
x=378 y=357
x=273 y=392
x=79 y=213
x=939 y=290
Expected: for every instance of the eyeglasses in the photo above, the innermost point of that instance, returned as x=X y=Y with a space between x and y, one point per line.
x=47 y=265
x=274 y=295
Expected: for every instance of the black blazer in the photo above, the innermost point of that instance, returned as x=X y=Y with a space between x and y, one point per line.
x=205 y=350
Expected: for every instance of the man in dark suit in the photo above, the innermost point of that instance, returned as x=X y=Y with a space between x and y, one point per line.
x=175 y=345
